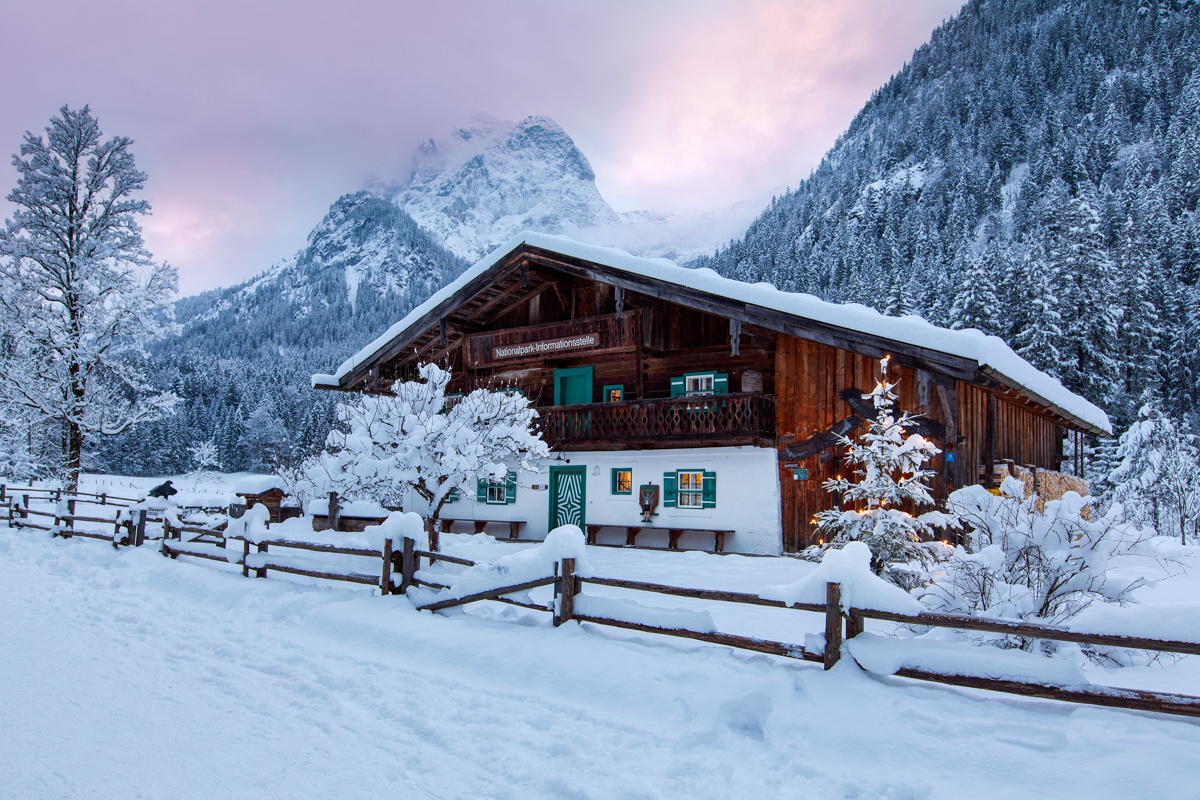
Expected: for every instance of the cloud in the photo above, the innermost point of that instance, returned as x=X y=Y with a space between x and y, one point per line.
x=749 y=99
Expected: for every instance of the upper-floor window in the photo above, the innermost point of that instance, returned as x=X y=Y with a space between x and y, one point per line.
x=698 y=384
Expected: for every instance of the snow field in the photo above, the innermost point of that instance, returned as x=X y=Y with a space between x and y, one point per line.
x=128 y=674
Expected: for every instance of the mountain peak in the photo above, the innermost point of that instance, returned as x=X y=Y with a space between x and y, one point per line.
x=487 y=180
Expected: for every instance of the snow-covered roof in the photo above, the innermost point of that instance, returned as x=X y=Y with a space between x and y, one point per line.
x=993 y=357
x=257 y=484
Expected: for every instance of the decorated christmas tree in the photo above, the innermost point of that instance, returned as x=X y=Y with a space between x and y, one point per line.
x=888 y=463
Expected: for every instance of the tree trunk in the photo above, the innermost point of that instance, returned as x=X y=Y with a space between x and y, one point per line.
x=74 y=456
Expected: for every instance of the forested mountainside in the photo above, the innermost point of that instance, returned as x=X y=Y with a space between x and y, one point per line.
x=1033 y=172
x=243 y=361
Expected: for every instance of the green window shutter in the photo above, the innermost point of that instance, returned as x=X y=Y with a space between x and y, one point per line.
x=510 y=487
x=677 y=386
x=481 y=491
x=721 y=383
x=708 y=488
x=450 y=498
x=613 y=485
x=670 y=490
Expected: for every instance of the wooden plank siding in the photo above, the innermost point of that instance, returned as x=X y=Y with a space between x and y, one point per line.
x=809 y=377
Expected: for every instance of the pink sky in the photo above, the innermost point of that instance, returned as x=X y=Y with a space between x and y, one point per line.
x=252 y=116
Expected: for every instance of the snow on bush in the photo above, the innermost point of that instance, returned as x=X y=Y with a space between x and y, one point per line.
x=861 y=587
x=523 y=566
x=1018 y=563
x=889 y=465
x=412 y=440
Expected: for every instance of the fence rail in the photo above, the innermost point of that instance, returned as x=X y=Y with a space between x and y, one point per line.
x=840 y=623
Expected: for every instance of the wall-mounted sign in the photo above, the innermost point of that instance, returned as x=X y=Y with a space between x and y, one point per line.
x=548 y=347
x=799 y=474
x=949 y=457
x=791 y=464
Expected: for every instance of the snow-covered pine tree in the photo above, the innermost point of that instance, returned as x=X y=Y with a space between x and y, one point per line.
x=889 y=465
x=1158 y=478
x=79 y=295
x=976 y=305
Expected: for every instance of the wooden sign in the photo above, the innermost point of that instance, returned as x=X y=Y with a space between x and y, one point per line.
x=583 y=341
x=593 y=335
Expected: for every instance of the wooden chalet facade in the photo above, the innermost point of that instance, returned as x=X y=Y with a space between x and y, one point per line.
x=722 y=395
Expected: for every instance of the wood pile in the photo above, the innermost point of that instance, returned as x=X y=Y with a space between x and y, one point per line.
x=1047 y=484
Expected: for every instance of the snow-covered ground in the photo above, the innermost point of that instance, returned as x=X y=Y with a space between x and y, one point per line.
x=125 y=674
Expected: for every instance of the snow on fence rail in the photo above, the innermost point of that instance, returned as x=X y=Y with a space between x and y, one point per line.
x=957 y=664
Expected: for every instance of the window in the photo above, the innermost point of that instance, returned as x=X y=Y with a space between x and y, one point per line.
x=697 y=384
x=497 y=492
x=622 y=480
x=614 y=393
x=691 y=489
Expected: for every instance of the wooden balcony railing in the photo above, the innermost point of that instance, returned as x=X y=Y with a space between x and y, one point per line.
x=724 y=419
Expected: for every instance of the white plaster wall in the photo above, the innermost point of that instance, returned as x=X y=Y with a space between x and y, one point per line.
x=748 y=500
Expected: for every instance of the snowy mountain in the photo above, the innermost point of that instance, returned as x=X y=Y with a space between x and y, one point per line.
x=365 y=265
x=490 y=180
x=476 y=187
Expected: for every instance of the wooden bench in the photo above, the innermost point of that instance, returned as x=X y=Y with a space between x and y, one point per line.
x=514 y=526
x=631 y=532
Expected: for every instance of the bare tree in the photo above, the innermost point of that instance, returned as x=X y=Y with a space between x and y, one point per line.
x=80 y=296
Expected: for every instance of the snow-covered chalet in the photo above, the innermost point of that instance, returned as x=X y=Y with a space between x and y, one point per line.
x=717 y=400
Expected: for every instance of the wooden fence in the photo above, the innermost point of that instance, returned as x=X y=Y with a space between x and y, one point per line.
x=840 y=623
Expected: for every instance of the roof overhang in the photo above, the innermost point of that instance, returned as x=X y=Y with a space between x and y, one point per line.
x=357 y=372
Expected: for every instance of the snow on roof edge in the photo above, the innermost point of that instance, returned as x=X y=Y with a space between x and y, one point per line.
x=985 y=350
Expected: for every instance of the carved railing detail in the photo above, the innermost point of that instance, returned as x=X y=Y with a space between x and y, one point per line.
x=719 y=419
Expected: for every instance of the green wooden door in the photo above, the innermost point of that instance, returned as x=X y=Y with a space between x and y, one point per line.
x=568 y=494
x=572 y=386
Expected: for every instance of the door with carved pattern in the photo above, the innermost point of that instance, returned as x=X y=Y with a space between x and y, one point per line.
x=567 y=496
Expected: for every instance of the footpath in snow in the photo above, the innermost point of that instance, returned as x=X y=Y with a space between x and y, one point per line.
x=126 y=674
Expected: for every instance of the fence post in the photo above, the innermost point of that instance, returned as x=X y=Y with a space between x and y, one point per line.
x=245 y=557
x=139 y=535
x=104 y=498
x=261 y=572
x=56 y=531
x=24 y=506
x=334 y=511
x=407 y=565
x=565 y=589
x=3 y=489
x=385 y=579
x=855 y=624
x=116 y=527
x=833 y=624
x=71 y=513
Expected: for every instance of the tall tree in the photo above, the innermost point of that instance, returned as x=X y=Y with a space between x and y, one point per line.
x=79 y=294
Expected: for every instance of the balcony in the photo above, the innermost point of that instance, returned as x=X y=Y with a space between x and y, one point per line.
x=710 y=420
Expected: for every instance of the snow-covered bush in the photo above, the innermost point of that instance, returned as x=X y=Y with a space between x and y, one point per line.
x=412 y=440
x=889 y=464
x=1157 y=477
x=1021 y=564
